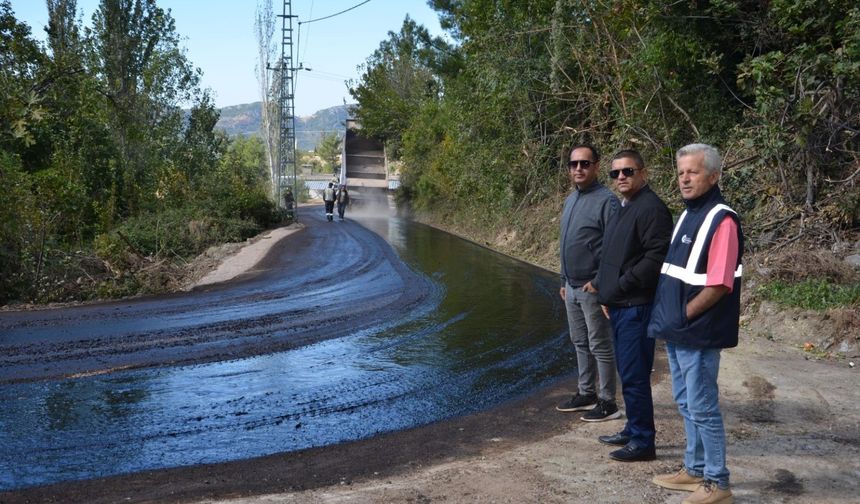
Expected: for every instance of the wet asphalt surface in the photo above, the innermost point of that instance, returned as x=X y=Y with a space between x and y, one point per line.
x=345 y=331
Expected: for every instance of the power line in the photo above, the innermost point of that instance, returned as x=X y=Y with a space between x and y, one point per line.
x=310 y=13
x=299 y=54
x=299 y=46
x=335 y=14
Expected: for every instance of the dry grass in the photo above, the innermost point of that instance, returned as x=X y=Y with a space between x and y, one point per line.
x=802 y=262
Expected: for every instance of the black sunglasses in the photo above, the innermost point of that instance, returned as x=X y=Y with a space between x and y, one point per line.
x=571 y=165
x=628 y=172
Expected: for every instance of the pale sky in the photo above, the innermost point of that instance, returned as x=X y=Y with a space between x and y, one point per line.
x=219 y=37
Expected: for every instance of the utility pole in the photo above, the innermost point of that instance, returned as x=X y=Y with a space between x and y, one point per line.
x=287 y=119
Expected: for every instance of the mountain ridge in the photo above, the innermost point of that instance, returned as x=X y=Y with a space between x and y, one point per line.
x=246 y=119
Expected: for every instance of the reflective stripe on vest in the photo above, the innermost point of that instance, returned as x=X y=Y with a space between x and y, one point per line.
x=678 y=226
x=688 y=274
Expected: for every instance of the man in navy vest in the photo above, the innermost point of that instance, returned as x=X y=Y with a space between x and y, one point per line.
x=634 y=246
x=696 y=311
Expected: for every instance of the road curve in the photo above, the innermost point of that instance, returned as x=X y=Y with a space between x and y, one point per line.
x=323 y=282
x=344 y=331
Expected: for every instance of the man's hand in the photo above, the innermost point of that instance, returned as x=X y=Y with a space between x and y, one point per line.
x=605 y=311
x=563 y=294
x=589 y=288
x=704 y=300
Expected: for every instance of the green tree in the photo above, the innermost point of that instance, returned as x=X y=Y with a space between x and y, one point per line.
x=20 y=99
x=202 y=145
x=21 y=115
x=804 y=80
x=93 y=140
x=77 y=138
x=144 y=74
x=329 y=150
x=397 y=77
x=16 y=222
x=239 y=188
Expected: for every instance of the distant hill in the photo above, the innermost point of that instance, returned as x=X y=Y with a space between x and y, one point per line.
x=240 y=119
x=245 y=120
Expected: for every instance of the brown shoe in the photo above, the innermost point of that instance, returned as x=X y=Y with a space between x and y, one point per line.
x=709 y=493
x=680 y=480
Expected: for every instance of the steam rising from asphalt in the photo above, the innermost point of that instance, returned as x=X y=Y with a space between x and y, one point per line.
x=371 y=202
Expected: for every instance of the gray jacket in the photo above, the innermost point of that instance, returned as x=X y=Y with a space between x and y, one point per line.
x=583 y=220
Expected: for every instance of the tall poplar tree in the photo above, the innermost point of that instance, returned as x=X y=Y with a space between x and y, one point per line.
x=145 y=76
x=264 y=30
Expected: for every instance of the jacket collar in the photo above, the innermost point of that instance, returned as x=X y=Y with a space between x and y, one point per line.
x=697 y=203
x=593 y=187
x=642 y=190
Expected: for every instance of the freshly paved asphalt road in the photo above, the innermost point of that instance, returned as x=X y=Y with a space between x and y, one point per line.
x=342 y=332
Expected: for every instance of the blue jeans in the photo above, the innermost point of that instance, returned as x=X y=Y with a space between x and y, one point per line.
x=591 y=335
x=694 y=386
x=634 y=355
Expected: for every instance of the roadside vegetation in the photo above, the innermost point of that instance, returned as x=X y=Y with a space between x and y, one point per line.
x=811 y=294
x=325 y=158
x=806 y=279
x=108 y=185
x=482 y=120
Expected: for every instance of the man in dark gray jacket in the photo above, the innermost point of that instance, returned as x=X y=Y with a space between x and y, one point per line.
x=586 y=211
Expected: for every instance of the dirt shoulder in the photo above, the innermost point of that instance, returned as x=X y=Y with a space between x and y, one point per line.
x=221 y=264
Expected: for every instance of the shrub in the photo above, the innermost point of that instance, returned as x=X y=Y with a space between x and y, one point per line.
x=183 y=232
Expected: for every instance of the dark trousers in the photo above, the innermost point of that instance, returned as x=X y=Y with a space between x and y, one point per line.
x=341 y=208
x=634 y=356
x=329 y=207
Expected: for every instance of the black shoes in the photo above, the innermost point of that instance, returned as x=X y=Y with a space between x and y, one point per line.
x=578 y=402
x=605 y=410
x=618 y=439
x=631 y=453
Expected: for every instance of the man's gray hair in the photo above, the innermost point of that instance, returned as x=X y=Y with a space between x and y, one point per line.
x=711 y=158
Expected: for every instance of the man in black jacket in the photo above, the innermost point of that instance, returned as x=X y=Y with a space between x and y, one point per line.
x=634 y=246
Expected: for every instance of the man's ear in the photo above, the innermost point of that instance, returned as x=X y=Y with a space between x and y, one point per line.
x=714 y=177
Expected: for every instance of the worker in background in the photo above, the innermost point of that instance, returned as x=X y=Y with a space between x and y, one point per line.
x=342 y=200
x=289 y=201
x=328 y=199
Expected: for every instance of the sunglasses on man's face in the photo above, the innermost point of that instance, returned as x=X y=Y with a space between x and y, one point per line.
x=583 y=163
x=628 y=172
